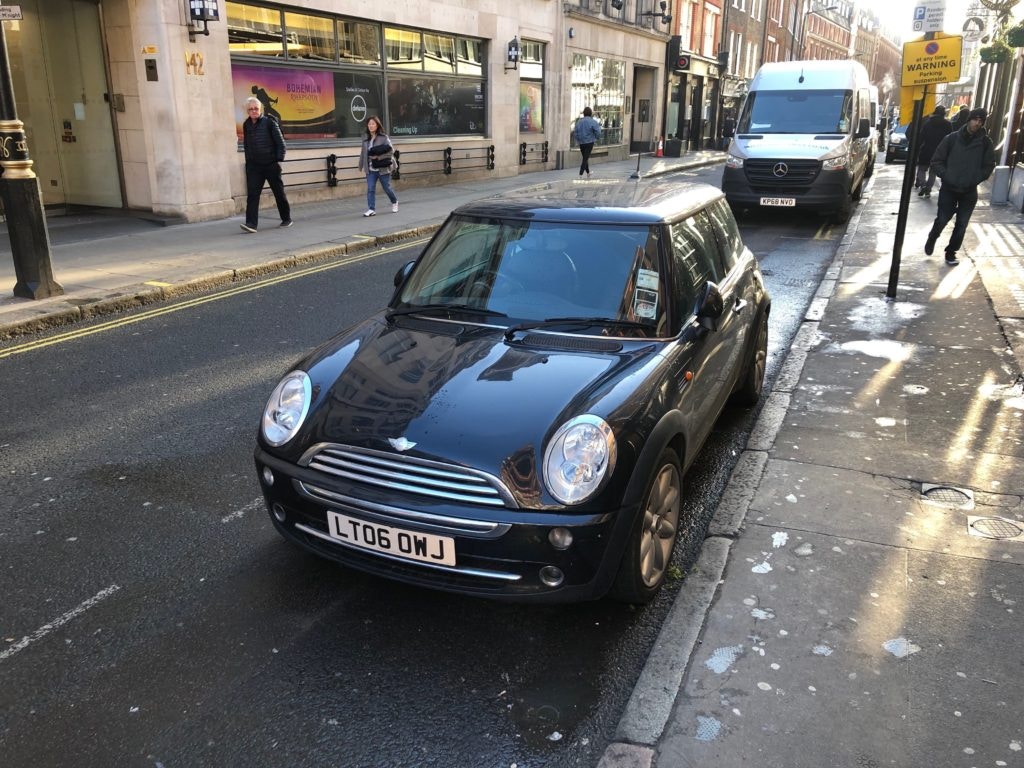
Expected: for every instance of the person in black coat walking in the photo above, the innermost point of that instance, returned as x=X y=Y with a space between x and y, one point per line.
x=934 y=130
x=963 y=160
x=264 y=152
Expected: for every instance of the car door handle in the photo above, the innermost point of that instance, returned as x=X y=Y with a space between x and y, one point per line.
x=739 y=305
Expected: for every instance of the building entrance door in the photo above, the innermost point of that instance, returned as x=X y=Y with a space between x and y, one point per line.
x=60 y=88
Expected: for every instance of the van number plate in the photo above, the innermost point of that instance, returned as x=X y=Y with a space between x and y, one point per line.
x=779 y=202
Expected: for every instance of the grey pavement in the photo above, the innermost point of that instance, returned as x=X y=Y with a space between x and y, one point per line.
x=856 y=601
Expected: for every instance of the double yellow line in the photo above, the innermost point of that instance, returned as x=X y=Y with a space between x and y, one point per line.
x=121 y=322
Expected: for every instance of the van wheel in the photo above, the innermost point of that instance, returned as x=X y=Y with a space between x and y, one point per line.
x=870 y=168
x=653 y=534
x=859 y=189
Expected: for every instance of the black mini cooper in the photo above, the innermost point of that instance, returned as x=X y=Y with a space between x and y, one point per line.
x=516 y=423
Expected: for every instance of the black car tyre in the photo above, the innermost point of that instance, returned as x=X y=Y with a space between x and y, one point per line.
x=653 y=535
x=888 y=159
x=842 y=214
x=749 y=390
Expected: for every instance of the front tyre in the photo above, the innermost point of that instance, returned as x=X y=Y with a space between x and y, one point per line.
x=653 y=535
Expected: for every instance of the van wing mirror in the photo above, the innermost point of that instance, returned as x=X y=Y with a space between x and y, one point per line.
x=710 y=306
x=863 y=129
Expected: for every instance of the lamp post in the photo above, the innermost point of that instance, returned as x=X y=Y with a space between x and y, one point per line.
x=803 y=25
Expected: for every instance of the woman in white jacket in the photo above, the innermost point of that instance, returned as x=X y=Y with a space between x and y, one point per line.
x=377 y=160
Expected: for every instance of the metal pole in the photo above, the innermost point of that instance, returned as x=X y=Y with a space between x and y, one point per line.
x=908 y=187
x=23 y=205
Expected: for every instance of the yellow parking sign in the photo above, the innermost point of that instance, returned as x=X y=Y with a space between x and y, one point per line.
x=932 y=61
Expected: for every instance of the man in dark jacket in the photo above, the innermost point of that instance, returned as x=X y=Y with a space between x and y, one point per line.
x=962 y=160
x=264 y=151
x=960 y=118
x=934 y=130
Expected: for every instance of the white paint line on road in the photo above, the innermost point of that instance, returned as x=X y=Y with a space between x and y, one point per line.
x=60 y=621
x=238 y=513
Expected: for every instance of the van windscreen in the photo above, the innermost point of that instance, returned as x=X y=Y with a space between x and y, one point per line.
x=797 y=112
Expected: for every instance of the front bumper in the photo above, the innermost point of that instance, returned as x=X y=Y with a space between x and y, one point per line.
x=823 y=191
x=500 y=552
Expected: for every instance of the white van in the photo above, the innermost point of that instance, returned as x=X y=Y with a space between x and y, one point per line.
x=803 y=138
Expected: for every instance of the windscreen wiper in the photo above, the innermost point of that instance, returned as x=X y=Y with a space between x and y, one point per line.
x=413 y=309
x=577 y=321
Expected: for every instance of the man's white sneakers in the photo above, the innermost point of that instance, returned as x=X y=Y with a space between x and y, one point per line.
x=394 y=207
x=370 y=212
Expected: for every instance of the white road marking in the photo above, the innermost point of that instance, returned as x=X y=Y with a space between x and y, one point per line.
x=60 y=621
x=241 y=512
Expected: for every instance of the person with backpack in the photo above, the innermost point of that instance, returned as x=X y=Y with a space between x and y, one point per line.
x=264 y=148
x=588 y=131
x=962 y=160
x=377 y=160
x=934 y=130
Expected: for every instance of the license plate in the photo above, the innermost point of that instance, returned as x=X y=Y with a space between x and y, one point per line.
x=410 y=545
x=779 y=202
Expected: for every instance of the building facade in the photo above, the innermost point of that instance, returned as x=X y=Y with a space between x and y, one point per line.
x=137 y=105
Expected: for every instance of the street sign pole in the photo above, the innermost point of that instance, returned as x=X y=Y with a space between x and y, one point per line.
x=908 y=186
x=23 y=205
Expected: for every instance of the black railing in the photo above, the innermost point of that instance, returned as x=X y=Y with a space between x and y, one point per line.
x=533 y=153
x=411 y=161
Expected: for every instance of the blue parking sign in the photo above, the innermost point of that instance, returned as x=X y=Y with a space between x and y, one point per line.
x=919 y=13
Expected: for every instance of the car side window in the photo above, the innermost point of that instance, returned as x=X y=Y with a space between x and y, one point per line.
x=730 y=242
x=695 y=260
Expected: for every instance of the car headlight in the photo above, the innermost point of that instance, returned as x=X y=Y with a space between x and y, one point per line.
x=733 y=161
x=287 y=408
x=896 y=140
x=578 y=459
x=835 y=163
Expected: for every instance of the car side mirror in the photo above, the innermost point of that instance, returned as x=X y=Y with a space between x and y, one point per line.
x=710 y=306
x=863 y=129
x=403 y=273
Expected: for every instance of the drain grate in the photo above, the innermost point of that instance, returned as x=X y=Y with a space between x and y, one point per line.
x=947 y=495
x=996 y=528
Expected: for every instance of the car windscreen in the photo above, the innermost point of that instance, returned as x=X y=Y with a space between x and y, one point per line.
x=797 y=111
x=533 y=271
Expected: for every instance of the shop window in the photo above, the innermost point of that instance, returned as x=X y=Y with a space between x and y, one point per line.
x=254 y=31
x=404 y=48
x=601 y=85
x=358 y=43
x=309 y=37
x=531 y=87
x=471 y=57
x=439 y=53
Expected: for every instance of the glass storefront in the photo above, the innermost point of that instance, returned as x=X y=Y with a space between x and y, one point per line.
x=601 y=85
x=321 y=76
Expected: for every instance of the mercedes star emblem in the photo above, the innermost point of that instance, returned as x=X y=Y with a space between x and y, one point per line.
x=780 y=170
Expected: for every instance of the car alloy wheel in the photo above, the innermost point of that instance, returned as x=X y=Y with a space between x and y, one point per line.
x=654 y=535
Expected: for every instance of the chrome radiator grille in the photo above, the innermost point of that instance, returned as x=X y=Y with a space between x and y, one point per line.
x=408 y=475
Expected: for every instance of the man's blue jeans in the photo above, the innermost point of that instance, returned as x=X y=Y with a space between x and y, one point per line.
x=371 y=188
x=953 y=202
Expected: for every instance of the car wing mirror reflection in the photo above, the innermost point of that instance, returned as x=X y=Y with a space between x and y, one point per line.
x=403 y=273
x=710 y=306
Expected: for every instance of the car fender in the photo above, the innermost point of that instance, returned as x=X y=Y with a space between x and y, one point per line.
x=669 y=432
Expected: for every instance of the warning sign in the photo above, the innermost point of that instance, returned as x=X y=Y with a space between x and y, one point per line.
x=932 y=61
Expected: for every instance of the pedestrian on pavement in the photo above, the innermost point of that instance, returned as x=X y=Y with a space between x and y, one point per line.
x=962 y=160
x=377 y=160
x=934 y=130
x=960 y=119
x=588 y=131
x=264 y=151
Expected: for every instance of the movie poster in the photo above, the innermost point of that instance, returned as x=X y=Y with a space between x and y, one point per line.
x=531 y=109
x=309 y=103
x=421 y=106
x=302 y=101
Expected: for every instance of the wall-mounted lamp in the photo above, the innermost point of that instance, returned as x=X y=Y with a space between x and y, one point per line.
x=666 y=17
x=572 y=33
x=513 y=55
x=204 y=11
x=617 y=4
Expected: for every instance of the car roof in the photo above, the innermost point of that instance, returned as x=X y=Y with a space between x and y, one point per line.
x=597 y=202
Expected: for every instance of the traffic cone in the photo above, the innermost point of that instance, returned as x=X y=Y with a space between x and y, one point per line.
x=661 y=148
